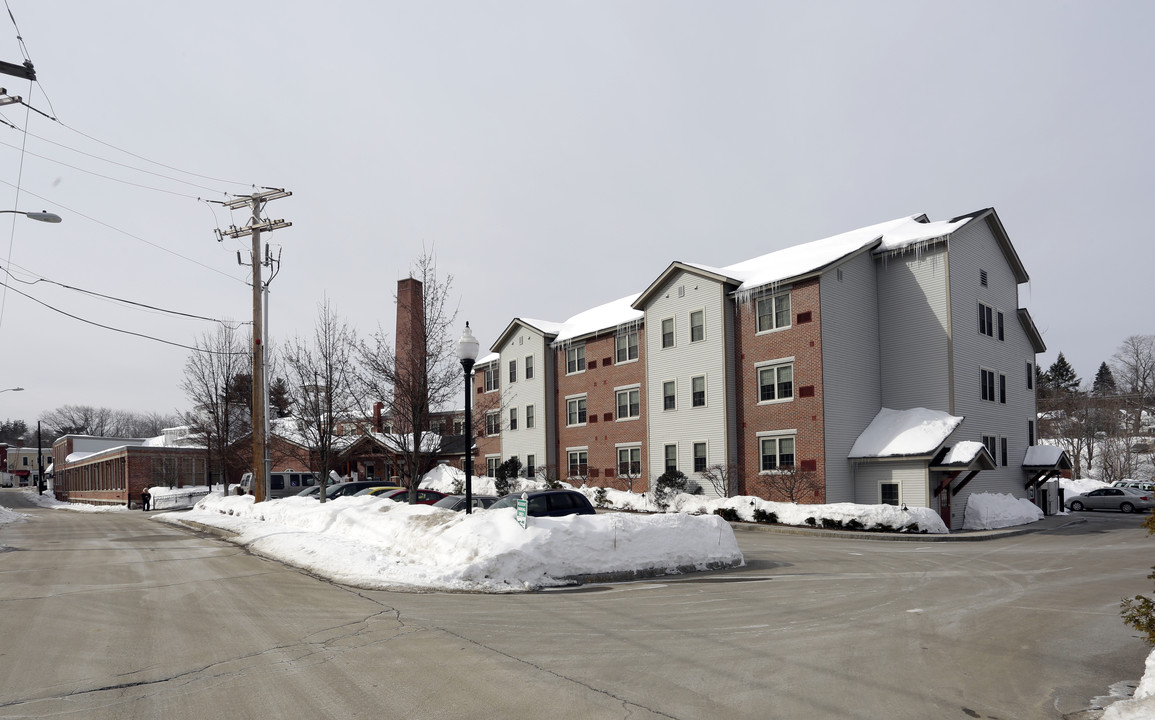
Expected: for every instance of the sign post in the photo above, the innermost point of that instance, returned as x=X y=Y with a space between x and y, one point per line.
x=522 y=502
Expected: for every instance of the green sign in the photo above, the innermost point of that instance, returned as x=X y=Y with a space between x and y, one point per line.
x=521 y=510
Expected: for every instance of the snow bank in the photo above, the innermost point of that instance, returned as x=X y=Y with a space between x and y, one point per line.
x=11 y=516
x=1141 y=706
x=380 y=544
x=988 y=511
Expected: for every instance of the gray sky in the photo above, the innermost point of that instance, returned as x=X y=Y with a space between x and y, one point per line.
x=555 y=156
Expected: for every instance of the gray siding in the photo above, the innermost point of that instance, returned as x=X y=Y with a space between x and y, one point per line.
x=913 y=321
x=851 y=366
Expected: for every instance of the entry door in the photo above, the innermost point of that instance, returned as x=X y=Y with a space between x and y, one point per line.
x=944 y=506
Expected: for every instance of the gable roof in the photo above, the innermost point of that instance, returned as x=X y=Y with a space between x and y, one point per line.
x=603 y=317
x=547 y=328
x=904 y=433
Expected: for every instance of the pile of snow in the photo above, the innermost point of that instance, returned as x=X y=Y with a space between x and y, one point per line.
x=988 y=511
x=1141 y=706
x=1079 y=487
x=10 y=516
x=380 y=544
x=451 y=481
x=47 y=500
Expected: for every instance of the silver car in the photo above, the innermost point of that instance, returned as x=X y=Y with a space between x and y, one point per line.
x=1122 y=499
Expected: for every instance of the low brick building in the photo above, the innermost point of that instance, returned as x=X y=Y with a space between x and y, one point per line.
x=115 y=471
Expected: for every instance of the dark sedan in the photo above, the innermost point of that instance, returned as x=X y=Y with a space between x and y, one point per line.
x=549 y=503
x=457 y=502
x=424 y=497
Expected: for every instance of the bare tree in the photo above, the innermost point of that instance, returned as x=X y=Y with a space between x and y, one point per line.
x=80 y=420
x=722 y=478
x=793 y=483
x=321 y=381
x=424 y=376
x=1133 y=368
x=208 y=377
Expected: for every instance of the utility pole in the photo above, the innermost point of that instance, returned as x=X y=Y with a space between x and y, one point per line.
x=256 y=202
x=39 y=462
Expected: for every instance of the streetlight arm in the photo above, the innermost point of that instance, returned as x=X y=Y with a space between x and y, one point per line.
x=43 y=216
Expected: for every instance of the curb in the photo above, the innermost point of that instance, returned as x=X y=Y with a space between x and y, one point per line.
x=959 y=536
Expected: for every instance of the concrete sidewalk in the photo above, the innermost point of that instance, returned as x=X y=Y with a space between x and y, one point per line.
x=1051 y=522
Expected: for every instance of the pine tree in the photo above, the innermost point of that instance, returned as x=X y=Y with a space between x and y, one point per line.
x=1061 y=376
x=1104 y=384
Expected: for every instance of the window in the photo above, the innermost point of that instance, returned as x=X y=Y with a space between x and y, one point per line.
x=1000 y=318
x=492 y=381
x=1003 y=447
x=698 y=391
x=529 y=367
x=578 y=466
x=629 y=462
x=773 y=312
x=699 y=457
x=513 y=371
x=671 y=458
x=493 y=423
x=529 y=417
x=776 y=383
x=1002 y=389
x=668 y=333
x=669 y=397
x=1030 y=432
x=986 y=320
x=988 y=381
x=530 y=464
x=513 y=418
x=575 y=411
x=777 y=452
x=456 y=427
x=992 y=446
x=575 y=360
x=626 y=344
x=491 y=465
x=888 y=493
x=1030 y=376
x=697 y=325
x=629 y=404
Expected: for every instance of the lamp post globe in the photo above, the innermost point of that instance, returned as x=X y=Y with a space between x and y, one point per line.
x=467 y=348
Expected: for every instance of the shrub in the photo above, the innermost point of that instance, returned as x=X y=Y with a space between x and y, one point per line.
x=667 y=486
x=853 y=524
x=727 y=514
x=811 y=522
x=600 y=498
x=763 y=516
x=831 y=523
x=458 y=487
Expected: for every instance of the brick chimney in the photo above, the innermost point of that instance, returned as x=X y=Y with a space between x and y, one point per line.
x=410 y=342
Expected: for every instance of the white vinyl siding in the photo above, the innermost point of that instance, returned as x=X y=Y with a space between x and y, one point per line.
x=525 y=400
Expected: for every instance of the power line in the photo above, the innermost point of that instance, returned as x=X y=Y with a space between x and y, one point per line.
x=119 y=330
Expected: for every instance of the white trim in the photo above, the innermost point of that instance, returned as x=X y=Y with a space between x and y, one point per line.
x=706 y=457
x=705 y=391
x=690 y=320
x=663 y=395
x=662 y=333
x=774 y=433
x=628 y=445
x=889 y=481
x=779 y=361
x=628 y=387
x=577 y=448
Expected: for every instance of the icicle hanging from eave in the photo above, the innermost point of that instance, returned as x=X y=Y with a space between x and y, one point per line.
x=918 y=249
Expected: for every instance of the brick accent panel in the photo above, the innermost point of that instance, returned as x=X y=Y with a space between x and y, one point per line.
x=803 y=342
x=598 y=383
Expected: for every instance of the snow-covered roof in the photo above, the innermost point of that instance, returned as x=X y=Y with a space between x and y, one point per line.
x=491 y=357
x=899 y=433
x=1044 y=456
x=602 y=317
x=963 y=453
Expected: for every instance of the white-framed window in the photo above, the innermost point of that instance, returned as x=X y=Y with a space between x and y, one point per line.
x=513 y=371
x=987 y=378
x=698 y=391
x=629 y=461
x=578 y=463
x=530 y=419
x=529 y=367
x=575 y=359
x=493 y=423
x=492 y=462
x=773 y=312
x=626 y=346
x=575 y=410
x=699 y=457
x=629 y=403
x=776 y=382
x=513 y=418
x=777 y=452
x=670 y=395
x=889 y=493
x=671 y=457
x=492 y=380
x=668 y=333
x=697 y=326
x=986 y=320
x=530 y=465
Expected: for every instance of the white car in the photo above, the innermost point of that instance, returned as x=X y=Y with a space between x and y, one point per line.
x=1123 y=499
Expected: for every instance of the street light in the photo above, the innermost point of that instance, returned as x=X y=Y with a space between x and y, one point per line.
x=43 y=216
x=15 y=389
x=467 y=354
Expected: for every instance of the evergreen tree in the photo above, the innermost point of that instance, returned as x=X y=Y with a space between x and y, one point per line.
x=1061 y=376
x=1104 y=384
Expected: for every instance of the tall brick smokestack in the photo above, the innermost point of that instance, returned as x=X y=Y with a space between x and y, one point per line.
x=410 y=348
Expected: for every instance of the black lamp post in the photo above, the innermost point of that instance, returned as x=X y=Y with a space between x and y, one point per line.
x=467 y=354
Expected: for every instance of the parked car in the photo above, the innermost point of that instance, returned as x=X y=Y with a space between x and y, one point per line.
x=377 y=490
x=549 y=503
x=457 y=502
x=281 y=484
x=1113 y=498
x=313 y=492
x=353 y=487
x=1136 y=484
x=424 y=497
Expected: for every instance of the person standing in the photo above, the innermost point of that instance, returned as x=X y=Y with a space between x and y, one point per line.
x=145 y=498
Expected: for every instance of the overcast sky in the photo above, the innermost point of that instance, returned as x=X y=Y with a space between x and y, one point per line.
x=554 y=156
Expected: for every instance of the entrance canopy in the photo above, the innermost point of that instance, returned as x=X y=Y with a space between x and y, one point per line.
x=1043 y=462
